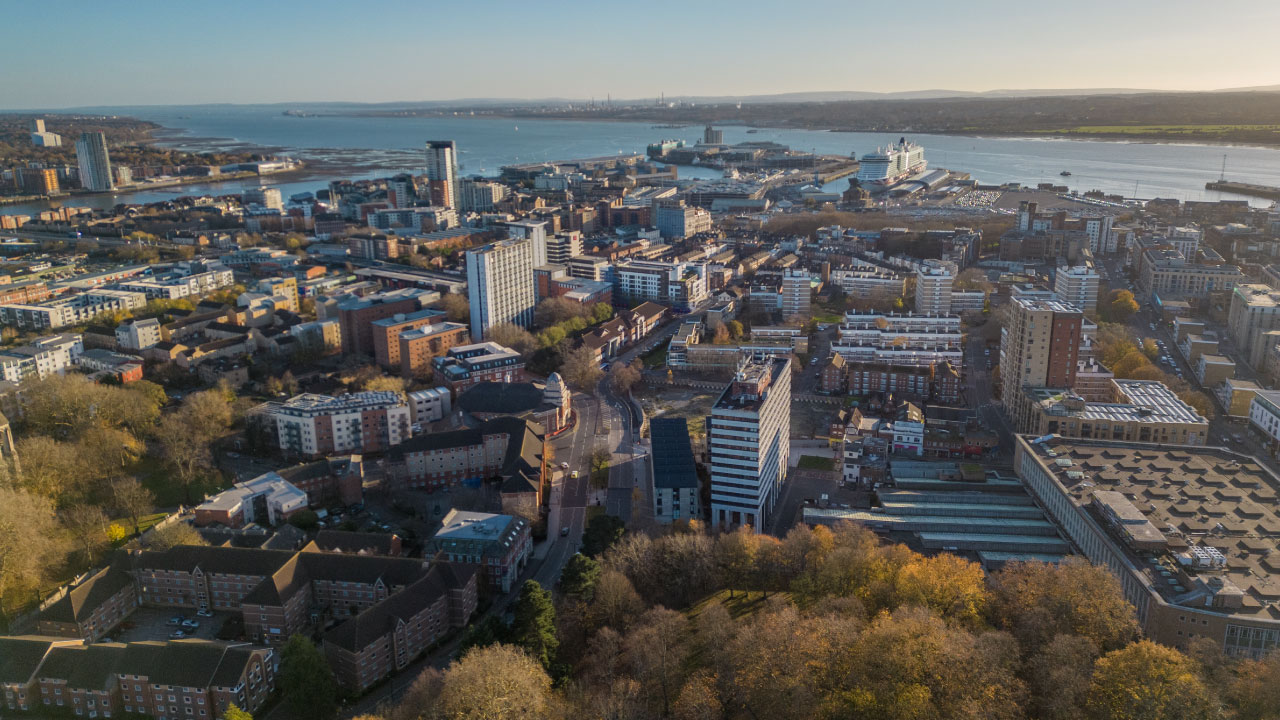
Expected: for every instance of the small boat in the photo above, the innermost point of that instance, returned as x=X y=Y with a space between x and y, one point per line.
x=1065 y=173
x=752 y=131
x=517 y=127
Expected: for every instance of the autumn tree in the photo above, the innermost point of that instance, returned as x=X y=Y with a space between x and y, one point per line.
x=235 y=713
x=1037 y=601
x=499 y=682
x=172 y=535
x=1146 y=681
x=581 y=369
x=306 y=682
x=512 y=336
x=187 y=436
x=735 y=557
x=949 y=585
x=624 y=377
x=1255 y=691
x=1120 y=306
x=456 y=307
x=655 y=652
x=29 y=540
x=615 y=602
x=1059 y=675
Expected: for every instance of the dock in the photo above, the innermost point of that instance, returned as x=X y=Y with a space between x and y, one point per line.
x=1239 y=188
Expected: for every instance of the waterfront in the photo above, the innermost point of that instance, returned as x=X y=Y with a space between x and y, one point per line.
x=364 y=147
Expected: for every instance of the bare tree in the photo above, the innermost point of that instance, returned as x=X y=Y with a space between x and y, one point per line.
x=581 y=369
x=29 y=540
x=88 y=525
x=132 y=500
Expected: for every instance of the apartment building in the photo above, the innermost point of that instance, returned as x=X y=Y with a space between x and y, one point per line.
x=1166 y=273
x=499 y=544
x=1039 y=345
x=673 y=475
x=500 y=284
x=185 y=279
x=92 y=607
x=1078 y=286
x=42 y=357
x=749 y=443
x=138 y=334
x=1254 y=311
x=933 y=289
x=386 y=333
x=678 y=285
x=266 y=500
x=356 y=315
x=312 y=425
x=907 y=339
x=462 y=366
x=420 y=346
x=796 y=294
x=77 y=309
x=676 y=220
x=869 y=282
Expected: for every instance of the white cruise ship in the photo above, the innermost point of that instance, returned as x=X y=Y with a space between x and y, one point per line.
x=886 y=167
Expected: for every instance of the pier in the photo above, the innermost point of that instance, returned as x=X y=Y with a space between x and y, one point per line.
x=1239 y=188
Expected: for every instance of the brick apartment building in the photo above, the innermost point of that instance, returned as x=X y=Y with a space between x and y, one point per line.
x=420 y=346
x=386 y=333
x=500 y=544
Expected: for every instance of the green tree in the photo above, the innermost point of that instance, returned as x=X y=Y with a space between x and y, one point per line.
x=534 y=627
x=305 y=680
x=601 y=312
x=601 y=533
x=1146 y=681
x=580 y=575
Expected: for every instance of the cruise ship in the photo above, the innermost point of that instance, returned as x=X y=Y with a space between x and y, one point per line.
x=886 y=167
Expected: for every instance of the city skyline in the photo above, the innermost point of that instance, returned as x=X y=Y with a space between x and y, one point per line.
x=527 y=52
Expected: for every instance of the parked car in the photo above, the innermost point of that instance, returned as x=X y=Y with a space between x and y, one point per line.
x=574 y=474
x=564 y=531
x=177 y=635
x=190 y=624
x=176 y=620
x=204 y=613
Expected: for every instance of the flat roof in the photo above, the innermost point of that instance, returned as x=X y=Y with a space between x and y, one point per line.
x=1199 y=498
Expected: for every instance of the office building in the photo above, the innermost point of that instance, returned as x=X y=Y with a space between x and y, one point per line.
x=1190 y=533
x=95 y=162
x=749 y=440
x=1254 y=311
x=796 y=294
x=1078 y=286
x=933 y=289
x=313 y=425
x=442 y=172
x=500 y=285
x=673 y=475
x=500 y=544
x=1040 y=345
x=535 y=231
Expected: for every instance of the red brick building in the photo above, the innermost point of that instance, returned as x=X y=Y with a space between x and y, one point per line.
x=93 y=607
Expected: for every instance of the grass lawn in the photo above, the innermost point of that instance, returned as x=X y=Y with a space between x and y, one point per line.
x=815 y=462
x=158 y=478
x=742 y=603
x=828 y=317
x=655 y=358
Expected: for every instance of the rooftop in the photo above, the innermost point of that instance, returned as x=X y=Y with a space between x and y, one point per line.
x=462 y=525
x=1204 y=501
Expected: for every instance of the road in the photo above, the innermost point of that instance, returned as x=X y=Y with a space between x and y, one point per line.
x=980 y=392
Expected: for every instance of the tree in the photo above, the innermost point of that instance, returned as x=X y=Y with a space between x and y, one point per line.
x=601 y=533
x=1120 y=306
x=580 y=575
x=172 y=535
x=1059 y=675
x=615 y=602
x=1255 y=692
x=305 y=679
x=557 y=310
x=50 y=468
x=456 y=307
x=1199 y=401
x=1146 y=681
x=534 y=628
x=735 y=329
x=1037 y=601
x=88 y=525
x=735 y=557
x=187 y=435
x=499 y=682
x=387 y=383
x=655 y=652
x=304 y=520
x=235 y=713
x=512 y=336
x=623 y=377
x=581 y=369
x=947 y=584
x=601 y=312
x=29 y=540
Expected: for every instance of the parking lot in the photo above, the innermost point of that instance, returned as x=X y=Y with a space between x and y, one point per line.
x=154 y=624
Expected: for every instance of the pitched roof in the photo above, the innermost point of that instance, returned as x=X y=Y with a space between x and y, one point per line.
x=84 y=666
x=342 y=541
x=366 y=628
x=239 y=561
x=81 y=600
x=185 y=663
x=21 y=655
x=494 y=397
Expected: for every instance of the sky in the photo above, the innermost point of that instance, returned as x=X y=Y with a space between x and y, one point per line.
x=70 y=53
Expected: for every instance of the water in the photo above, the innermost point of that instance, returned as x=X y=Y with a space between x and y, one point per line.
x=366 y=147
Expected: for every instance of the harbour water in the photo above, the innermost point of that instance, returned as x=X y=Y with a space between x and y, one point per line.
x=365 y=147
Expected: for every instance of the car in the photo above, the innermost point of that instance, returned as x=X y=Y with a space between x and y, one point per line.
x=564 y=531
x=176 y=620
x=204 y=613
x=564 y=466
x=574 y=474
x=986 y=351
x=177 y=635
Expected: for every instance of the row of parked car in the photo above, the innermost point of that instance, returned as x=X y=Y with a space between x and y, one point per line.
x=187 y=626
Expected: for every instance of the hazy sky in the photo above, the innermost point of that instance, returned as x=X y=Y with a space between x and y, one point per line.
x=60 y=53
